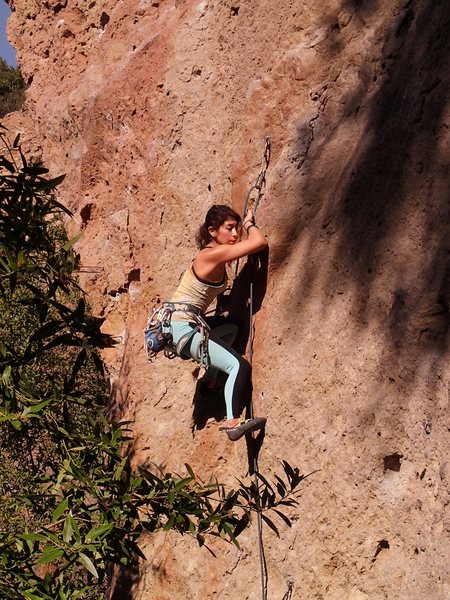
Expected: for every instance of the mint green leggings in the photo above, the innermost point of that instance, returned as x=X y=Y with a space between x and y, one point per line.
x=222 y=357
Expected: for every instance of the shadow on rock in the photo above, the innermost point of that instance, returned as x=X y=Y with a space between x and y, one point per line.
x=208 y=404
x=253 y=276
x=382 y=228
x=122 y=580
x=254 y=445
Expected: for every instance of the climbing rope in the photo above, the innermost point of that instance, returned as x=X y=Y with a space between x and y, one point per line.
x=258 y=187
x=262 y=558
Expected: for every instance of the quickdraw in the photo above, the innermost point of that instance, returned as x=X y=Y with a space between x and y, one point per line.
x=260 y=181
x=258 y=187
x=158 y=333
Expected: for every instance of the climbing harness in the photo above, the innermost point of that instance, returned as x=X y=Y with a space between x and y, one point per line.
x=158 y=333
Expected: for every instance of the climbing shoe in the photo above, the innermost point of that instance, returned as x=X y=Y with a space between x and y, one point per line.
x=243 y=427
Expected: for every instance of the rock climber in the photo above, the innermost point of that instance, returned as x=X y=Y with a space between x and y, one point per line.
x=218 y=242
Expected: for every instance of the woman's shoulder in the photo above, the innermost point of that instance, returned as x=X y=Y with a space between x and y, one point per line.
x=201 y=254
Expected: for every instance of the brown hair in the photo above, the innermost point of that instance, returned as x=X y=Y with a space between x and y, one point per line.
x=215 y=217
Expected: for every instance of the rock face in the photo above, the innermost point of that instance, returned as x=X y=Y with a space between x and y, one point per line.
x=157 y=109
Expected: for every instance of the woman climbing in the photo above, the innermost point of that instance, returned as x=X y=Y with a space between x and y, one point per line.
x=203 y=281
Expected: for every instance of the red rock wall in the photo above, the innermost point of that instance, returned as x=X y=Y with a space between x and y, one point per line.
x=155 y=110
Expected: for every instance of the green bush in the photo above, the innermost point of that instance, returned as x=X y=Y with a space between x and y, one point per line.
x=12 y=89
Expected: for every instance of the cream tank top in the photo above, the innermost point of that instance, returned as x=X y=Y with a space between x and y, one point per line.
x=193 y=290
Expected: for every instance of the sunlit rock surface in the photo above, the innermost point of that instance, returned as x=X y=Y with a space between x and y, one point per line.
x=155 y=110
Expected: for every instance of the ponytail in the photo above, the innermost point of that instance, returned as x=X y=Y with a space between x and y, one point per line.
x=203 y=237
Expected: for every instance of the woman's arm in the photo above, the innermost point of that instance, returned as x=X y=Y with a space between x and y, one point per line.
x=226 y=253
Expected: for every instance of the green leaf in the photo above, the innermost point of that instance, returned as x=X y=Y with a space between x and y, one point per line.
x=75 y=528
x=189 y=470
x=20 y=545
x=17 y=424
x=6 y=375
x=50 y=554
x=68 y=529
x=87 y=562
x=32 y=596
x=77 y=594
x=119 y=469
x=170 y=523
x=182 y=483
x=34 y=537
x=68 y=245
x=62 y=506
x=99 y=532
x=34 y=409
x=227 y=529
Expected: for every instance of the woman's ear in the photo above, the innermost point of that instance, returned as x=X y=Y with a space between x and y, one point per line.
x=212 y=232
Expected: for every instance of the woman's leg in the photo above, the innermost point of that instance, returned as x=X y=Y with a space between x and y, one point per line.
x=227 y=332
x=185 y=330
x=225 y=359
x=237 y=387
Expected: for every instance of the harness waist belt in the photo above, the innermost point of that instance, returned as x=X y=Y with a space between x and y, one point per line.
x=183 y=307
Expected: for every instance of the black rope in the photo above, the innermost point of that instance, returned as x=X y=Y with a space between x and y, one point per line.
x=258 y=187
x=262 y=557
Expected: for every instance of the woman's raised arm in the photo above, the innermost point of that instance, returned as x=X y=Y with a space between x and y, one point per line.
x=225 y=253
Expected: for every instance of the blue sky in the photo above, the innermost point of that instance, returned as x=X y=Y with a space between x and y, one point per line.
x=7 y=52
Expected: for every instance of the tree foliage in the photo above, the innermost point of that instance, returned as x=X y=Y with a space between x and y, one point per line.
x=71 y=504
x=12 y=89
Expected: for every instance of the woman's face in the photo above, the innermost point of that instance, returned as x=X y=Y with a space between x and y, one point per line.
x=227 y=233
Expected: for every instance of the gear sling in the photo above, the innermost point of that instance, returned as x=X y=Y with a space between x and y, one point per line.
x=158 y=333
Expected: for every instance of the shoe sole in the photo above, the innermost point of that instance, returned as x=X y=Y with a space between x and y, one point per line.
x=236 y=433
